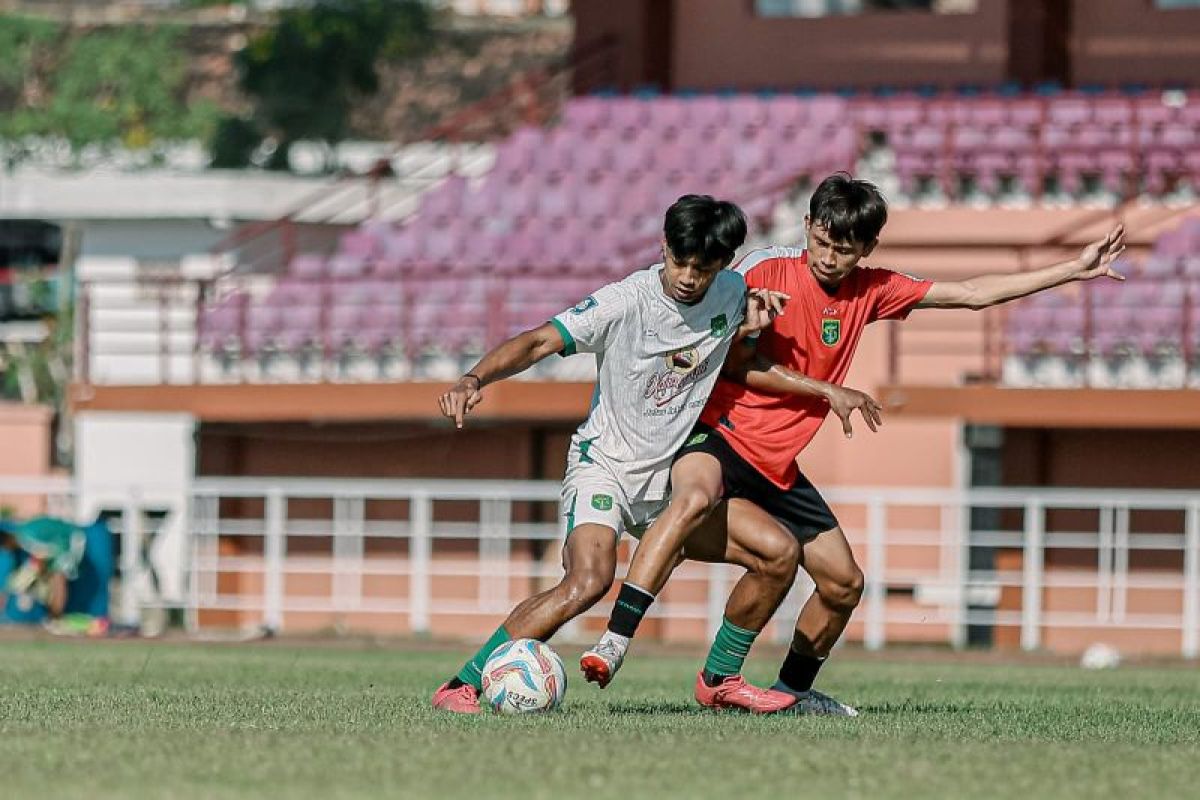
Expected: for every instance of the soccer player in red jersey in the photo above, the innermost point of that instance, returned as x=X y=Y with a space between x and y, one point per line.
x=747 y=441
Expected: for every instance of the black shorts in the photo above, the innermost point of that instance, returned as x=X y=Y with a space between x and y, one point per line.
x=800 y=509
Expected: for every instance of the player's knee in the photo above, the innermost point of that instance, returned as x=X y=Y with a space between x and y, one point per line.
x=693 y=505
x=782 y=558
x=845 y=591
x=585 y=588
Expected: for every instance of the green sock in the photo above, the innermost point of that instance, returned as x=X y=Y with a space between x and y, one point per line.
x=472 y=671
x=729 y=649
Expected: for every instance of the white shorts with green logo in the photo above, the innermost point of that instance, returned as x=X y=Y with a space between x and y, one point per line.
x=591 y=495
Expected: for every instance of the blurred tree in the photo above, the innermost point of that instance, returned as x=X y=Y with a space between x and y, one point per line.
x=305 y=72
x=125 y=85
x=233 y=143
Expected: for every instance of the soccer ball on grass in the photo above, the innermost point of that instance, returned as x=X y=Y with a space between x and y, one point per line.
x=523 y=676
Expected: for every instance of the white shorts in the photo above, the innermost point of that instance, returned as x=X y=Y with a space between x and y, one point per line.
x=591 y=495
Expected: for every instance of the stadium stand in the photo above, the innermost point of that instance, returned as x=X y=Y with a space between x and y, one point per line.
x=1143 y=333
x=580 y=202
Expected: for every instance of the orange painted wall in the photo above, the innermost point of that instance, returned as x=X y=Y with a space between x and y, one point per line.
x=25 y=433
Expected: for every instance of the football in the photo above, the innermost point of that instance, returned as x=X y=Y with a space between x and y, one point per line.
x=523 y=676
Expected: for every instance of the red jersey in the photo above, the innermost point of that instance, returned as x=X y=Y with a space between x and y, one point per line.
x=817 y=335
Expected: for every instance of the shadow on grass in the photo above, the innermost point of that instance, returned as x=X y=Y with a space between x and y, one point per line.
x=909 y=707
x=657 y=708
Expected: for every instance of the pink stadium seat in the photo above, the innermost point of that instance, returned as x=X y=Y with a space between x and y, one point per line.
x=707 y=112
x=364 y=242
x=1069 y=111
x=557 y=195
x=1153 y=111
x=904 y=112
x=629 y=113
x=346 y=266
x=1026 y=112
x=446 y=198
x=1176 y=135
x=307 y=266
x=221 y=324
x=787 y=112
x=1113 y=111
x=586 y=113
x=827 y=111
x=746 y=112
x=984 y=113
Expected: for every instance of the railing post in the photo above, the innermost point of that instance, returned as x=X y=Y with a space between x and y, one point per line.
x=495 y=562
x=718 y=593
x=419 y=549
x=1120 y=563
x=956 y=525
x=1104 y=565
x=164 y=335
x=83 y=333
x=876 y=634
x=131 y=554
x=348 y=525
x=1191 y=581
x=198 y=326
x=273 y=552
x=1031 y=585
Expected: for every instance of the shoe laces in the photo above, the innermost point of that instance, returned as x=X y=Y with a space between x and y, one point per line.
x=608 y=650
x=824 y=701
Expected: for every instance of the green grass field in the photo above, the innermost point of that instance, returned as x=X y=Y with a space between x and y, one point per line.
x=87 y=719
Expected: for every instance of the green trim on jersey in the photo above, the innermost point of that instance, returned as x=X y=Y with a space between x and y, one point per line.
x=568 y=339
x=584 y=448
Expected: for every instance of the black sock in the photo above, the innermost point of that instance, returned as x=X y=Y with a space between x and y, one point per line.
x=455 y=683
x=799 y=671
x=712 y=679
x=632 y=604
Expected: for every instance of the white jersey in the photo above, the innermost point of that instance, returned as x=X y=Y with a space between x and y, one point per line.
x=656 y=362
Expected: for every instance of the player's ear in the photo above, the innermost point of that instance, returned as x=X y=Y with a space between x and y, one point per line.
x=869 y=247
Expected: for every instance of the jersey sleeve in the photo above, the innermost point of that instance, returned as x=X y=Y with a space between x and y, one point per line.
x=896 y=294
x=760 y=268
x=591 y=325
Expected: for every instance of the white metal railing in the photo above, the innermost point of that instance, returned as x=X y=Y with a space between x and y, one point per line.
x=256 y=552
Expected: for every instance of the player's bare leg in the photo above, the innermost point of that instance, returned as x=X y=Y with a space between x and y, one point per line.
x=739 y=532
x=830 y=562
x=589 y=563
x=696 y=488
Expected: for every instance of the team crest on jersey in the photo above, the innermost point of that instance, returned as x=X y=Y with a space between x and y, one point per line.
x=718 y=326
x=831 y=331
x=584 y=304
x=602 y=502
x=684 y=360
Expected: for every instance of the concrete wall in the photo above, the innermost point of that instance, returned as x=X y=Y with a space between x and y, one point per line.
x=1127 y=41
x=720 y=44
x=25 y=443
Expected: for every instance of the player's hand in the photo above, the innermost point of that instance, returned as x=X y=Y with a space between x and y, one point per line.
x=1097 y=258
x=843 y=402
x=464 y=396
x=762 y=307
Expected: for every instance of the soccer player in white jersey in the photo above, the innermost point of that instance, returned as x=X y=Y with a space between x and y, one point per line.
x=660 y=337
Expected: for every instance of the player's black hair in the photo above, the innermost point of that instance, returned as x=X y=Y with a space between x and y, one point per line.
x=851 y=210
x=697 y=226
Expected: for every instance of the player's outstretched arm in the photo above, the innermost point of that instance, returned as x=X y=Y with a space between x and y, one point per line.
x=510 y=358
x=744 y=365
x=1095 y=261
